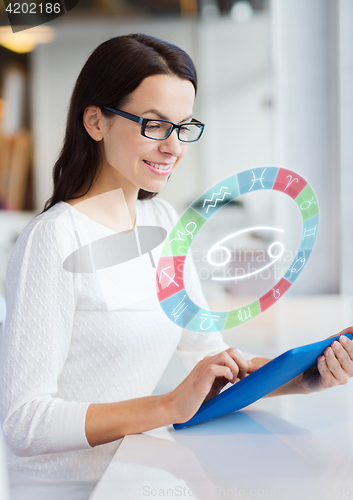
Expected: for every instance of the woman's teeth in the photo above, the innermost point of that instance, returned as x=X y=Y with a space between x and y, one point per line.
x=158 y=165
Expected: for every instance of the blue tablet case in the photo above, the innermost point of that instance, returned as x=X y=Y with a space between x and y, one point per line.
x=261 y=382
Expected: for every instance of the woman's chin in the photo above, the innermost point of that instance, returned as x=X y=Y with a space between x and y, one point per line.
x=155 y=187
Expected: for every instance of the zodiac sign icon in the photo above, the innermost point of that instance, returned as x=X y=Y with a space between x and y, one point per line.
x=257 y=179
x=179 y=309
x=188 y=232
x=210 y=317
x=276 y=293
x=310 y=232
x=291 y=180
x=163 y=273
x=218 y=246
x=307 y=204
x=244 y=315
x=295 y=269
x=217 y=199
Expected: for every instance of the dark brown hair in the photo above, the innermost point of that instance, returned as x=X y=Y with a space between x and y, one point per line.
x=111 y=73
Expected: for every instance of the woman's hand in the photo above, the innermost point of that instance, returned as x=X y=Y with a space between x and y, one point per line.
x=205 y=381
x=106 y=422
x=334 y=366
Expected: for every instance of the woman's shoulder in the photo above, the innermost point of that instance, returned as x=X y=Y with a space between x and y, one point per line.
x=47 y=219
x=43 y=230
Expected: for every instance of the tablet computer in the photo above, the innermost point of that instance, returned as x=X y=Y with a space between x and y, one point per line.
x=261 y=382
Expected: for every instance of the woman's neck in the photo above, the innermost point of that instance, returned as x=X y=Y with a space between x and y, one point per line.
x=109 y=208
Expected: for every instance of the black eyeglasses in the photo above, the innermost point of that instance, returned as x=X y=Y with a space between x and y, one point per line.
x=159 y=130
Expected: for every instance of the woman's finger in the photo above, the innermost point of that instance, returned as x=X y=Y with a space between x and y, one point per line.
x=232 y=359
x=333 y=365
x=347 y=344
x=214 y=371
x=238 y=359
x=225 y=359
x=326 y=377
x=343 y=357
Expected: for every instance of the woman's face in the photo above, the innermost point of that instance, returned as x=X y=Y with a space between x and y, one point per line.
x=134 y=161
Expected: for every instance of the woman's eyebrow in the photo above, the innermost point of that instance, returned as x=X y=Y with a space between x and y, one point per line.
x=163 y=117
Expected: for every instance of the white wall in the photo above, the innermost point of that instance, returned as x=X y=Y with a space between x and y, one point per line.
x=306 y=121
x=346 y=143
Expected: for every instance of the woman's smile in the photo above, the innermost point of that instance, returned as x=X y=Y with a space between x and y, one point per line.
x=159 y=168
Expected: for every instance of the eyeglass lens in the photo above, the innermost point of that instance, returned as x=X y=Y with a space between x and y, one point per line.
x=155 y=129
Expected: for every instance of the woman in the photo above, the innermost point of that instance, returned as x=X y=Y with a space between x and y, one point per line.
x=78 y=366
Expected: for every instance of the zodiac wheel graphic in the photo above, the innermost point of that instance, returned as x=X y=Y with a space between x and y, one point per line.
x=171 y=292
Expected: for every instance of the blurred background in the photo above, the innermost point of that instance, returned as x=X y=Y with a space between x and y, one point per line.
x=275 y=88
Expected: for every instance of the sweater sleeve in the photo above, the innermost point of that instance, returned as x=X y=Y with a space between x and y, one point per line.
x=35 y=344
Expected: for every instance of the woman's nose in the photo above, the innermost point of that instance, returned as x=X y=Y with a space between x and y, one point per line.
x=171 y=145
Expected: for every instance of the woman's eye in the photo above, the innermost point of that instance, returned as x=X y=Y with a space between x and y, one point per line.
x=184 y=129
x=153 y=126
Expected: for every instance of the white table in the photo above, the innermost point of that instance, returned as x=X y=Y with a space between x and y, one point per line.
x=287 y=447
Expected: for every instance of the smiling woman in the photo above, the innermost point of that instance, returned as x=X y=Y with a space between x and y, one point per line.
x=110 y=79
x=130 y=159
x=84 y=346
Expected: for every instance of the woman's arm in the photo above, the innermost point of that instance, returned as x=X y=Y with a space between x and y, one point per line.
x=108 y=422
x=35 y=344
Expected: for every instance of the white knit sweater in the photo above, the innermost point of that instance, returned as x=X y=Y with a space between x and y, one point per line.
x=72 y=339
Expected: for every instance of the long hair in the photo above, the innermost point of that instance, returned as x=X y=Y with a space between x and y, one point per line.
x=111 y=73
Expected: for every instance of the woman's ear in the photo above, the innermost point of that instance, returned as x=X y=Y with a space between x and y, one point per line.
x=92 y=121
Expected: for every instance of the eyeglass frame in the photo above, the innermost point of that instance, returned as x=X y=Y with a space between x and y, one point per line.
x=143 y=122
